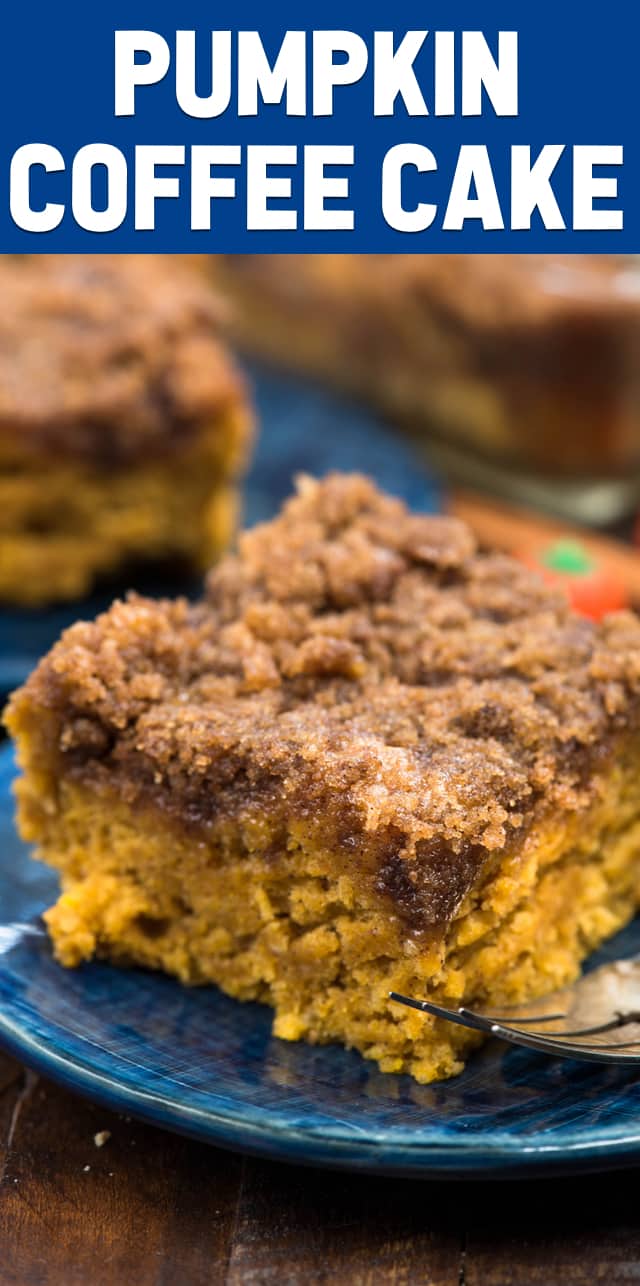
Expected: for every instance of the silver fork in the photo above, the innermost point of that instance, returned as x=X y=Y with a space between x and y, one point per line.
x=596 y=1019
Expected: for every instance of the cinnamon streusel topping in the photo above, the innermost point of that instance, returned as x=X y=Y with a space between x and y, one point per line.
x=362 y=668
x=108 y=357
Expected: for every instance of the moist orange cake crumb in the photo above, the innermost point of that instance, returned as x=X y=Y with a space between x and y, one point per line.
x=123 y=421
x=372 y=758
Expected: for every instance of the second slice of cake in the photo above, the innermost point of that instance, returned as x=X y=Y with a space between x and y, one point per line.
x=371 y=759
x=124 y=422
x=525 y=361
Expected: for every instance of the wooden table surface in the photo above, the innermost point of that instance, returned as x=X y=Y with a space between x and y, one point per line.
x=151 y=1209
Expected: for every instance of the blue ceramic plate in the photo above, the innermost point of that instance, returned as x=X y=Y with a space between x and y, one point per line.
x=196 y=1062
x=303 y=430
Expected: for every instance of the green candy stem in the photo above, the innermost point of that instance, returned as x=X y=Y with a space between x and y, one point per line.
x=568 y=556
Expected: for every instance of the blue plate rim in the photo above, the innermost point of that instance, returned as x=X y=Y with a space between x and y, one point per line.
x=236 y=1124
x=232 y=1122
x=330 y=1148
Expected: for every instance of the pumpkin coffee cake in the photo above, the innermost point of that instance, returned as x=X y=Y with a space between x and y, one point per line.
x=123 y=421
x=372 y=758
x=526 y=360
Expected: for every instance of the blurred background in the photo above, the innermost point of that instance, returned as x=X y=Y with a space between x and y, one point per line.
x=147 y=402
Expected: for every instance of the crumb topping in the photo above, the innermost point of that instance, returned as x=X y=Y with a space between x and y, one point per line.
x=108 y=356
x=357 y=665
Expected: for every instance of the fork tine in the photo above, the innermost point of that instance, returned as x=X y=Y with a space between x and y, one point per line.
x=594 y=1053
x=477 y=1021
x=462 y=1016
x=548 y=1043
x=506 y=1018
x=621 y=1020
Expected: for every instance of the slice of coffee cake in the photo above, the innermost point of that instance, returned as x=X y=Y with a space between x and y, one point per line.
x=124 y=423
x=371 y=759
x=525 y=360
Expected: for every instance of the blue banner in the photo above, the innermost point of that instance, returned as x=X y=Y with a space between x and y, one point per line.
x=325 y=128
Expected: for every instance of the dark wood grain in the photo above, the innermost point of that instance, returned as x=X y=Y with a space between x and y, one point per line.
x=155 y=1210
x=12 y=1084
x=565 y=1232
x=303 y=1226
x=146 y=1208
